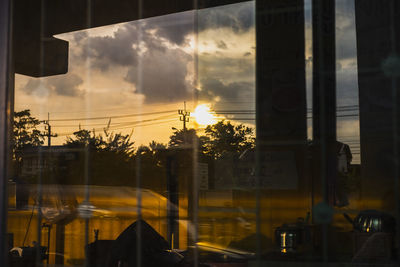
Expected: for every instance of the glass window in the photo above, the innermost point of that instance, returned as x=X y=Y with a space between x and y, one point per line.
x=204 y=133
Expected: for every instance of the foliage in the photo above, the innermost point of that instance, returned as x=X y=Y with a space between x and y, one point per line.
x=150 y=164
x=187 y=139
x=225 y=137
x=155 y=146
x=118 y=142
x=85 y=138
x=113 y=142
x=183 y=138
x=25 y=133
x=110 y=159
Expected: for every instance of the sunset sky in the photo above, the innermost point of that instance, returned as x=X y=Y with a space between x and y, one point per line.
x=152 y=66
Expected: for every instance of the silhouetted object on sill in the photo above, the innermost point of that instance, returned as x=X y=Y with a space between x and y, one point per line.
x=344 y=158
x=26 y=256
x=154 y=249
x=371 y=221
x=373 y=248
x=99 y=254
x=373 y=233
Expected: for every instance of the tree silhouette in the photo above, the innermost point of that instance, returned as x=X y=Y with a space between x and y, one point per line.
x=25 y=132
x=113 y=142
x=155 y=146
x=186 y=139
x=151 y=161
x=84 y=138
x=117 y=142
x=224 y=137
x=107 y=159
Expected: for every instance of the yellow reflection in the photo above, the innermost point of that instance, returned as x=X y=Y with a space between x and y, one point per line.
x=203 y=116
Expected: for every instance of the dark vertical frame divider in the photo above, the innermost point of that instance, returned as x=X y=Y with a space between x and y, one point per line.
x=6 y=85
x=324 y=109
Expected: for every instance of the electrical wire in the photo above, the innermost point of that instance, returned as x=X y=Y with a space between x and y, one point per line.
x=119 y=123
x=114 y=117
x=29 y=224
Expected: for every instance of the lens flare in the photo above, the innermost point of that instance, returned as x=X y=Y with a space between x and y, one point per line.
x=203 y=116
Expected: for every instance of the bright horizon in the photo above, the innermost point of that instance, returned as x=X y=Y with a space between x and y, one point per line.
x=147 y=69
x=153 y=66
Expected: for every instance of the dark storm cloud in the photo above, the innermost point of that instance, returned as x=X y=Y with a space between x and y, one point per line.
x=158 y=70
x=155 y=69
x=161 y=76
x=347 y=87
x=175 y=28
x=116 y=49
x=345 y=30
x=231 y=96
x=225 y=68
x=31 y=86
x=122 y=48
x=238 y=17
x=231 y=92
x=346 y=42
x=63 y=85
x=345 y=7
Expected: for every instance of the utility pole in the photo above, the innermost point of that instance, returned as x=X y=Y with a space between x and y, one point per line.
x=184 y=115
x=48 y=129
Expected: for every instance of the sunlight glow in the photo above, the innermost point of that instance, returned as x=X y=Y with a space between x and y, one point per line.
x=203 y=116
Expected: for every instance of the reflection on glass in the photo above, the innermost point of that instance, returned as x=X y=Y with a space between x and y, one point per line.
x=241 y=134
x=146 y=108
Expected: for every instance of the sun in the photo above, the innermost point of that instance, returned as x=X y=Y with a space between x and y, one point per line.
x=203 y=116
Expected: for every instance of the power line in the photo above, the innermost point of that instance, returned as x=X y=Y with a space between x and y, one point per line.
x=97 y=110
x=120 y=128
x=234 y=111
x=130 y=124
x=115 y=117
x=119 y=123
x=253 y=119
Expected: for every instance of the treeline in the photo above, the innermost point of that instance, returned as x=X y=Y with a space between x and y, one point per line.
x=111 y=158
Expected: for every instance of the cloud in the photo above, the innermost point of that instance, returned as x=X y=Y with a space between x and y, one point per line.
x=36 y=88
x=175 y=27
x=150 y=54
x=239 y=17
x=63 y=85
x=346 y=42
x=221 y=44
x=66 y=85
x=157 y=70
x=118 y=49
x=79 y=36
x=345 y=30
x=161 y=76
x=213 y=87
x=347 y=87
x=238 y=96
x=227 y=68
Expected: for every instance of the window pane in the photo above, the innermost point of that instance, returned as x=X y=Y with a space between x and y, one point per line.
x=203 y=133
